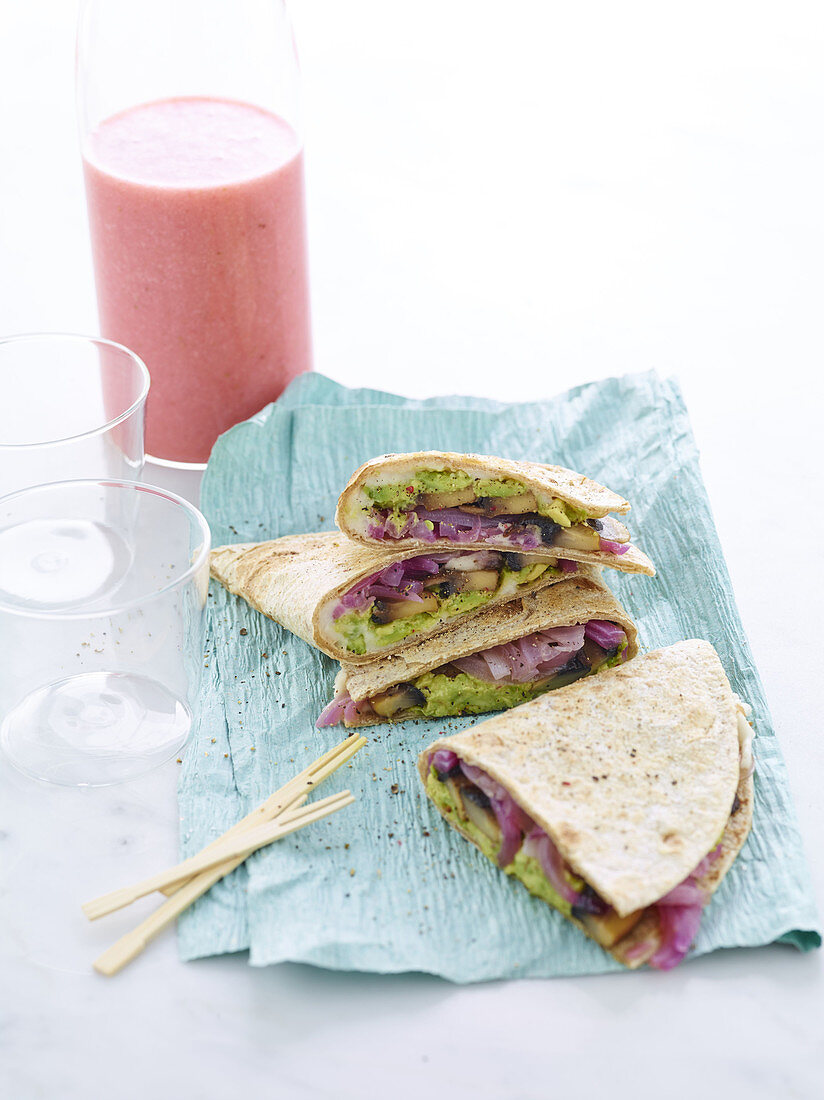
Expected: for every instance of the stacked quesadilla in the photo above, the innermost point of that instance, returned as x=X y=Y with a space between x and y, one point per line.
x=354 y=602
x=510 y=654
x=464 y=584
x=477 y=616
x=621 y=801
x=438 y=499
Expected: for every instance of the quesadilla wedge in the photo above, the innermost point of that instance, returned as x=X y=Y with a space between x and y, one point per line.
x=438 y=499
x=622 y=801
x=353 y=602
x=502 y=657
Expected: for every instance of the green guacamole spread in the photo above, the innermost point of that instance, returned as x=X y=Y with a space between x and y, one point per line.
x=526 y=869
x=618 y=659
x=400 y=498
x=361 y=635
x=464 y=694
x=447 y=695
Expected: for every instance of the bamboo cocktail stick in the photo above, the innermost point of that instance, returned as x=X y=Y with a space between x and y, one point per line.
x=241 y=845
x=294 y=792
x=187 y=891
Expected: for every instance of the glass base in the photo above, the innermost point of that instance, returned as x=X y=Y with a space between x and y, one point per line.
x=175 y=464
x=95 y=729
x=60 y=563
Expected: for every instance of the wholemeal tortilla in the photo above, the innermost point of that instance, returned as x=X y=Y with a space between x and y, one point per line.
x=577 y=599
x=574 y=488
x=298 y=580
x=639 y=945
x=354 y=507
x=632 y=773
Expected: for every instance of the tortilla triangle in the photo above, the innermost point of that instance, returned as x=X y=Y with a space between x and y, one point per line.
x=634 y=775
x=298 y=580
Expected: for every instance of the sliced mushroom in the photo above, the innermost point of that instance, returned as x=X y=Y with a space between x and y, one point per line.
x=568 y=675
x=452 y=773
x=387 y=611
x=398 y=698
x=481 y=580
x=611 y=529
x=549 y=529
x=477 y=808
x=434 y=501
x=592 y=655
x=515 y=505
x=578 y=537
x=478 y=559
x=450 y=671
x=608 y=928
x=515 y=562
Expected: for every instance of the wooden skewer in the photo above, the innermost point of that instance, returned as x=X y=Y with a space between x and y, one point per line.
x=128 y=947
x=292 y=794
x=241 y=845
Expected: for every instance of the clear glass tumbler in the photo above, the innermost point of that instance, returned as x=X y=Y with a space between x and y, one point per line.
x=72 y=406
x=102 y=590
x=193 y=159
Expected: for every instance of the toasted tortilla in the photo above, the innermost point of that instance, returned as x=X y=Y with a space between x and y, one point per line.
x=299 y=579
x=632 y=773
x=577 y=599
x=641 y=943
x=555 y=481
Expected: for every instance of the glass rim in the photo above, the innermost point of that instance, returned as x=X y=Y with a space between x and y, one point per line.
x=143 y=371
x=200 y=558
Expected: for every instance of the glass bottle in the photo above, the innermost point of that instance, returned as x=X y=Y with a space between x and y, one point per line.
x=193 y=157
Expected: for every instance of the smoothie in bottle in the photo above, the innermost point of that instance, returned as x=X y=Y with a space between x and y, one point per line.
x=196 y=211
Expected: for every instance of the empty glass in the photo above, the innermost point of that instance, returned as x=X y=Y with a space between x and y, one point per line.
x=72 y=407
x=102 y=590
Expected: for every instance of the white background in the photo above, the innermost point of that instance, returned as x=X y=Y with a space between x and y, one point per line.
x=504 y=199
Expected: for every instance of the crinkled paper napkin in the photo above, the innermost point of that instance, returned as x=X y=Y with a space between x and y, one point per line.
x=384 y=885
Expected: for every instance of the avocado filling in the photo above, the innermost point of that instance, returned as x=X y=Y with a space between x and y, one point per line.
x=493 y=679
x=417 y=595
x=506 y=834
x=449 y=504
x=482 y=809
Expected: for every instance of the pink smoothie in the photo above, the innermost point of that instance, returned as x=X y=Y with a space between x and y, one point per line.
x=198 y=236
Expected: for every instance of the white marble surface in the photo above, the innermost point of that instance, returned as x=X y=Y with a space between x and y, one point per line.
x=505 y=200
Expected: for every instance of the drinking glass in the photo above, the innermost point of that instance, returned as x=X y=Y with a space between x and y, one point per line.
x=72 y=406
x=192 y=151
x=102 y=590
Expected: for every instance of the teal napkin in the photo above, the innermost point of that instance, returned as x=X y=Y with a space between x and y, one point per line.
x=384 y=885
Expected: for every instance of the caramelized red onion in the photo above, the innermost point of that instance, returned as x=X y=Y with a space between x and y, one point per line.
x=333 y=712
x=519 y=832
x=403 y=580
x=512 y=820
x=525 y=659
x=343 y=708
x=536 y=655
x=605 y=634
x=539 y=846
x=610 y=547
x=444 y=761
x=679 y=911
x=458 y=526
x=452 y=524
x=679 y=916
